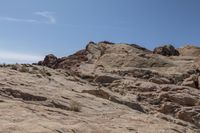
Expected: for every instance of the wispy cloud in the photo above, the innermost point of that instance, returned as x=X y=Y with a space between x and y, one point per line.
x=18 y=20
x=49 y=15
x=50 y=19
x=6 y=56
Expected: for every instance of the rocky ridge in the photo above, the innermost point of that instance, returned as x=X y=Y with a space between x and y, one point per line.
x=105 y=87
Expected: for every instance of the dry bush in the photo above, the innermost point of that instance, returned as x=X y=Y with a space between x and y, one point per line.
x=14 y=67
x=24 y=69
x=35 y=68
x=3 y=65
x=44 y=72
x=75 y=106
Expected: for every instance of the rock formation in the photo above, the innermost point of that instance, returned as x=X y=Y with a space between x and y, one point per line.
x=166 y=50
x=105 y=87
x=189 y=50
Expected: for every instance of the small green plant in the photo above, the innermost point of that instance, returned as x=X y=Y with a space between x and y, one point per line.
x=75 y=106
x=24 y=69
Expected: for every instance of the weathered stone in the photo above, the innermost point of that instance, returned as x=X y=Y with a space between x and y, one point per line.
x=105 y=95
x=199 y=82
x=105 y=79
x=182 y=99
x=49 y=61
x=166 y=50
x=168 y=108
x=189 y=115
x=192 y=81
x=114 y=83
x=160 y=80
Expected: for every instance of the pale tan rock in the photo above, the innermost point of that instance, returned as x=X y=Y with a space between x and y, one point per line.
x=106 y=88
x=192 y=81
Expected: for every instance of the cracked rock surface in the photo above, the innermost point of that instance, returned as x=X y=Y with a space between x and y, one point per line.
x=104 y=88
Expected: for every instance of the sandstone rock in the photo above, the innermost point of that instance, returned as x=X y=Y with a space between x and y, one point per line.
x=160 y=80
x=182 y=99
x=199 y=81
x=189 y=50
x=105 y=95
x=189 y=115
x=94 y=50
x=106 y=79
x=166 y=50
x=49 y=61
x=168 y=108
x=139 y=47
x=119 y=87
x=108 y=55
x=189 y=83
x=192 y=81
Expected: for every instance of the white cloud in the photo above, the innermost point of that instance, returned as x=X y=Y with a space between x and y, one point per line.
x=6 y=56
x=18 y=20
x=45 y=14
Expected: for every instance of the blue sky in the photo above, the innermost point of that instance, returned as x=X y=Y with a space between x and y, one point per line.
x=30 y=29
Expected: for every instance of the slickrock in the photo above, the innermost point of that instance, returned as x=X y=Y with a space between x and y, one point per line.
x=105 y=88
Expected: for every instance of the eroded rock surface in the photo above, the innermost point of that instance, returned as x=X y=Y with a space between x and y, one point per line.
x=106 y=88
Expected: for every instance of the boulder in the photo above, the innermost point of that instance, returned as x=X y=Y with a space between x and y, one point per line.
x=49 y=61
x=168 y=108
x=191 y=115
x=94 y=50
x=166 y=50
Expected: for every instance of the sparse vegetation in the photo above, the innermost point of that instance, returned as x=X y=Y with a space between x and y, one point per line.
x=24 y=69
x=14 y=67
x=35 y=68
x=75 y=106
x=33 y=72
x=3 y=65
x=44 y=72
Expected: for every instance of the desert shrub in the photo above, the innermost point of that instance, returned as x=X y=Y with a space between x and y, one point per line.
x=33 y=72
x=75 y=106
x=35 y=68
x=44 y=72
x=3 y=65
x=14 y=67
x=24 y=69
